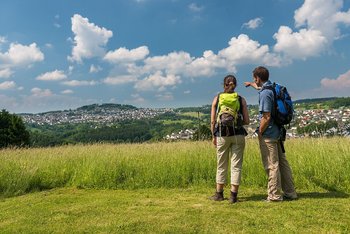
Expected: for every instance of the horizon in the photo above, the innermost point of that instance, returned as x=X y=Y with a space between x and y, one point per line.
x=179 y=107
x=61 y=55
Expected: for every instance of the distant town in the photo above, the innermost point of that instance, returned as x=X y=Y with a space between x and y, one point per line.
x=111 y=113
x=302 y=119
x=105 y=113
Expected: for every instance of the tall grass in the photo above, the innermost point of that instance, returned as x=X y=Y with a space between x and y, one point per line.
x=315 y=162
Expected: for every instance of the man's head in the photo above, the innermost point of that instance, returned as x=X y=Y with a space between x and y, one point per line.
x=260 y=75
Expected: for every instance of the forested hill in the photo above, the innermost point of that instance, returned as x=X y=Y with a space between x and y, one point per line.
x=323 y=103
x=106 y=106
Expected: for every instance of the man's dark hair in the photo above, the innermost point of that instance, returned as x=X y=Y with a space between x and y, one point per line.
x=262 y=73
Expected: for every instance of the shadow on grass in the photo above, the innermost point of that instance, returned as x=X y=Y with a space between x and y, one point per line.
x=331 y=192
x=319 y=195
x=302 y=195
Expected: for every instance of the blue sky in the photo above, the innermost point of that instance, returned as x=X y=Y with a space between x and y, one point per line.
x=57 y=55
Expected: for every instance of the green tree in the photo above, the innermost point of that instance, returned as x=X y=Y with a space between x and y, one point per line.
x=204 y=133
x=12 y=130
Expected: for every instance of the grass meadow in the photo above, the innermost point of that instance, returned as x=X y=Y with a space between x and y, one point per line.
x=164 y=188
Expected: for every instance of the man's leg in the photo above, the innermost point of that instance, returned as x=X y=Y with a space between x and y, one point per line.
x=286 y=175
x=269 y=154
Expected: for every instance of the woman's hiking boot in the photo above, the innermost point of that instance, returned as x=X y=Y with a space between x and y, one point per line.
x=233 y=197
x=218 y=196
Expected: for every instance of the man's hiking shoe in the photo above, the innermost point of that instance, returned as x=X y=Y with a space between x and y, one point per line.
x=233 y=198
x=218 y=196
x=272 y=200
x=289 y=198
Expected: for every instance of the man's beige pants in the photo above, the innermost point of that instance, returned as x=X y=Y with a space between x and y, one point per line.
x=227 y=148
x=277 y=169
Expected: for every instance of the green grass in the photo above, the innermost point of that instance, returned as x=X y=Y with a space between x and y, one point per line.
x=172 y=122
x=188 y=210
x=192 y=114
x=316 y=163
x=163 y=188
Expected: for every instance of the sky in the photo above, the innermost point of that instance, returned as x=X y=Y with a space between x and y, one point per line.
x=63 y=54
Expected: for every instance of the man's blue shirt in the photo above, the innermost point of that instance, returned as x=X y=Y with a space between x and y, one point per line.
x=266 y=104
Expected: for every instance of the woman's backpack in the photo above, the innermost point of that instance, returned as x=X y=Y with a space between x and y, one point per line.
x=229 y=110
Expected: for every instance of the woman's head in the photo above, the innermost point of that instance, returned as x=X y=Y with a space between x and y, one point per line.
x=230 y=84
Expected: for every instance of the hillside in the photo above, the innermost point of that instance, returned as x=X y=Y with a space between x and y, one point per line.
x=323 y=103
x=126 y=123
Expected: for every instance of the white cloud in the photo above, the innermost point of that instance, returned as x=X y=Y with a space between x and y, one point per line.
x=173 y=66
x=2 y=40
x=70 y=69
x=187 y=92
x=179 y=63
x=5 y=73
x=52 y=76
x=320 y=19
x=342 y=82
x=67 y=91
x=123 y=55
x=165 y=97
x=205 y=65
x=37 y=92
x=74 y=83
x=173 y=63
x=243 y=50
x=342 y=17
x=299 y=45
x=117 y=80
x=319 y=15
x=253 y=24
x=195 y=8
x=49 y=45
x=89 y=39
x=136 y=98
x=7 y=85
x=57 y=25
x=21 y=55
x=157 y=81
x=95 y=69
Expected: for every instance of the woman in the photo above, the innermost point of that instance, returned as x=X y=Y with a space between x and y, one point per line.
x=229 y=113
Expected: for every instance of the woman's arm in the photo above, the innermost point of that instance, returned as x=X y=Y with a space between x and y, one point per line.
x=213 y=115
x=246 y=119
x=213 y=119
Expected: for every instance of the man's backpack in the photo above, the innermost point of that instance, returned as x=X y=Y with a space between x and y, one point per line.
x=229 y=110
x=283 y=111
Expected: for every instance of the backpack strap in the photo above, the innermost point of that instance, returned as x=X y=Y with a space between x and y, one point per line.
x=240 y=105
x=217 y=103
x=273 y=88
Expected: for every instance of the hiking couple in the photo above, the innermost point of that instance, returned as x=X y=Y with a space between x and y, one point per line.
x=229 y=113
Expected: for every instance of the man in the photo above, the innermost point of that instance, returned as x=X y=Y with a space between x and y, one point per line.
x=274 y=159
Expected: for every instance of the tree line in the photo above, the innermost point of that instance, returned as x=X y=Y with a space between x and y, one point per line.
x=14 y=132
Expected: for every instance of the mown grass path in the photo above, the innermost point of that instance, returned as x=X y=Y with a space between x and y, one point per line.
x=71 y=210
